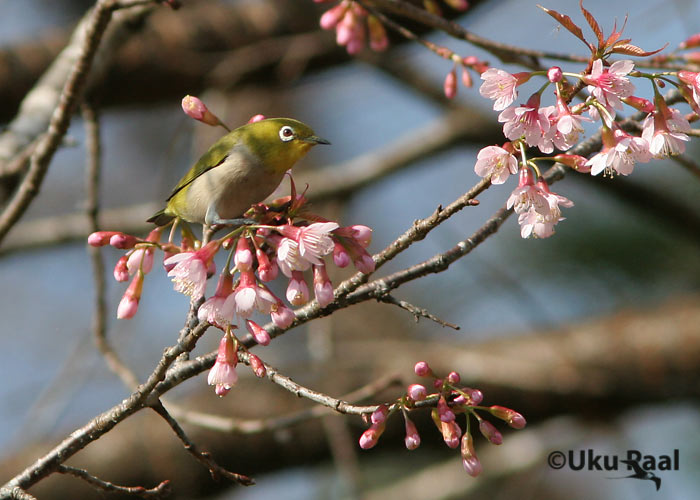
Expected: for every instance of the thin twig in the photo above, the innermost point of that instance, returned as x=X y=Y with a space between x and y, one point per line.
x=104 y=422
x=92 y=209
x=204 y=457
x=160 y=491
x=256 y=426
x=416 y=311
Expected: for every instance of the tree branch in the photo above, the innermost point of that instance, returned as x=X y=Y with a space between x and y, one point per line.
x=160 y=491
x=215 y=469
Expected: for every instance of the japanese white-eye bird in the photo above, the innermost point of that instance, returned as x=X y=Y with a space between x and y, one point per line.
x=242 y=168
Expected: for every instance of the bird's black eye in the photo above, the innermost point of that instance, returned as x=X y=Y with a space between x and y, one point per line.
x=286 y=133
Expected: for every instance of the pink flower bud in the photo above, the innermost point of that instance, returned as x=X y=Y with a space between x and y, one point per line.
x=130 y=300
x=412 y=438
x=258 y=332
x=378 y=40
x=257 y=365
x=512 y=417
x=100 y=238
x=422 y=369
x=362 y=234
x=489 y=431
x=475 y=395
x=446 y=415
x=437 y=383
x=458 y=4
x=554 y=74
x=298 y=290
x=466 y=78
x=690 y=42
x=323 y=288
x=264 y=265
x=243 y=258
x=332 y=16
x=450 y=85
x=341 y=257
x=453 y=378
x=121 y=271
x=371 y=436
x=451 y=432
x=123 y=241
x=256 y=118
x=417 y=392
x=576 y=162
x=282 y=316
x=141 y=258
x=379 y=415
x=364 y=262
x=195 y=108
x=469 y=459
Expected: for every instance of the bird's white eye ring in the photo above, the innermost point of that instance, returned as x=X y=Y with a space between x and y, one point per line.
x=286 y=133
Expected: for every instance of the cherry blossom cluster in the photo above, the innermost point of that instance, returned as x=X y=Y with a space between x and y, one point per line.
x=353 y=25
x=285 y=237
x=448 y=403
x=559 y=126
x=287 y=241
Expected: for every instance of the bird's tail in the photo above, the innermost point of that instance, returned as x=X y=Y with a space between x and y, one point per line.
x=160 y=218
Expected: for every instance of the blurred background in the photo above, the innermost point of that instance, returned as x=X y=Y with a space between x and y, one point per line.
x=593 y=334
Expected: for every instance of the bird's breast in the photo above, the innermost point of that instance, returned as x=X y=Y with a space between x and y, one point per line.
x=233 y=186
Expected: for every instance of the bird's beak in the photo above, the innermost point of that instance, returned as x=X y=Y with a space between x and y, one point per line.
x=313 y=139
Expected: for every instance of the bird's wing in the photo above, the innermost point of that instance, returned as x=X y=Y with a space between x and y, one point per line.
x=214 y=157
x=635 y=466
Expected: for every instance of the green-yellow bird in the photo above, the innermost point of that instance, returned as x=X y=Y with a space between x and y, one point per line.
x=242 y=168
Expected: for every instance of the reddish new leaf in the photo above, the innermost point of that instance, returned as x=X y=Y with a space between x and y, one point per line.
x=593 y=24
x=615 y=35
x=568 y=24
x=633 y=50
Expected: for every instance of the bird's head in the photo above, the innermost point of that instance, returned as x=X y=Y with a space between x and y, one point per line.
x=280 y=142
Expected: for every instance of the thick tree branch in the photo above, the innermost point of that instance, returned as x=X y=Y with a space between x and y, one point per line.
x=87 y=44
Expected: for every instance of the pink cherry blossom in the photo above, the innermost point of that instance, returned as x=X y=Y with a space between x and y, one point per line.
x=608 y=85
x=619 y=153
x=315 y=241
x=666 y=135
x=223 y=374
x=249 y=296
x=567 y=126
x=496 y=162
x=529 y=121
x=540 y=224
x=215 y=310
x=190 y=272
x=692 y=79
x=527 y=196
x=501 y=86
